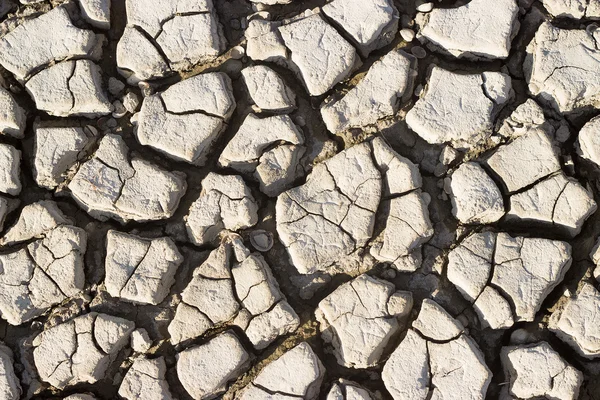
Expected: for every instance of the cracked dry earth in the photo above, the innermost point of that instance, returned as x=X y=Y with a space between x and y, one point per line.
x=285 y=199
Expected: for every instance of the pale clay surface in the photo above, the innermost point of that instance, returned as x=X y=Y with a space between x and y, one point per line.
x=277 y=199
x=138 y=269
x=459 y=108
x=552 y=378
x=435 y=359
x=248 y=295
x=558 y=63
x=378 y=95
x=459 y=31
x=524 y=269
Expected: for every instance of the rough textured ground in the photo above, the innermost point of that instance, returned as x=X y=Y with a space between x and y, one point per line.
x=287 y=199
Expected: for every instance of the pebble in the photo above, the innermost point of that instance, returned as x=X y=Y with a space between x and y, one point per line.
x=237 y=52
x=425 y=7
x=407 y=34
x=418 y=52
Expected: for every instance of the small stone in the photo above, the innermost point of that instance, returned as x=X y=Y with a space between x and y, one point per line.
x=131 y=102
x=238 y=52
x=115 y=86
x=563 y=134
x=425 y=7
x=448 y=155
x=418 y=52
x=408 y=35
x=261 y=240
x=119 y=110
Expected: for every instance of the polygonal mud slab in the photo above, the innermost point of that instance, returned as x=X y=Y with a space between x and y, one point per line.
x=519 y=272
x=536 y=370
x=298 y=373
x=80 y=350
x=379 y=94
x=184 y=121
x=310 y=39
x=562 y=67
x=246 y=291
x=205 y=370
x=360 y=317
x=474 y=30
x=459 y=108
x=436 y=360
x=111 y=185
x=44 y=37
x=140 y=270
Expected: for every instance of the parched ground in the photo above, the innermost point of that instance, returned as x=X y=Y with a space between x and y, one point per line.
x=345 y=199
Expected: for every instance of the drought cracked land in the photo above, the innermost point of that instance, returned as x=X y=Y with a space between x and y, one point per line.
x=299 y=199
